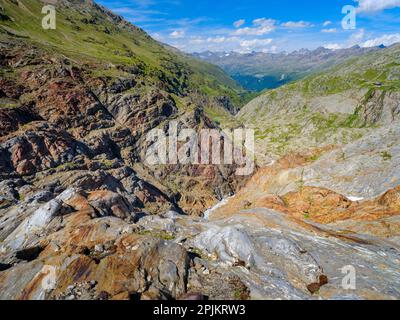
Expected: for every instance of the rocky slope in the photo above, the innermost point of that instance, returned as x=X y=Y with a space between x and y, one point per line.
x=339 y=211
x=88 y=111
x=334 y=107
x=83 y=217
x=76 y=104
x=330 y=180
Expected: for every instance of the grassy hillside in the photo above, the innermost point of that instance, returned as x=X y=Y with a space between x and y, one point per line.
x=87 y=31
x=376 y=71
x=331 y=107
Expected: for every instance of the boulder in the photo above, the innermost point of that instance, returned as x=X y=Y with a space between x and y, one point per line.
x=107 y=203
x=230 y=244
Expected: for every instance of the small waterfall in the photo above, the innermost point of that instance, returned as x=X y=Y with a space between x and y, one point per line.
x=220 y=204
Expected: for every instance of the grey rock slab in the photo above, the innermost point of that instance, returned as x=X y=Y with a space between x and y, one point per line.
x=157 y=223
x=287 y=257
x=13 y=283
x=36 y=222
x=366 y=168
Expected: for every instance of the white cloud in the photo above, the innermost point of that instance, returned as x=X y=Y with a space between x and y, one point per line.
x=296 y=24
x=256 y=45
x=157 y=36
x=260 y=27
x=273 y=49
x=333 y=46
x=356 y=38
x=239 y=23
x=387 y=40
x=332 y=30
x=177 y=34
x=230 y=43
x=376 y=5
x=359 y=38
x=197 y=40
x=327 y=23
x=263 y=22
x=217 y=39
x=254 y=31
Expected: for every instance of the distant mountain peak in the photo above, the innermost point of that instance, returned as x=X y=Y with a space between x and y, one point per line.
x=260 y=70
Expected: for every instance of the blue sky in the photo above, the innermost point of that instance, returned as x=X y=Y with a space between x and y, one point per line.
x=261 y=25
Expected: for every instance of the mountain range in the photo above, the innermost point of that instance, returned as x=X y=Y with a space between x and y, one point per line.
x=257 y=71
